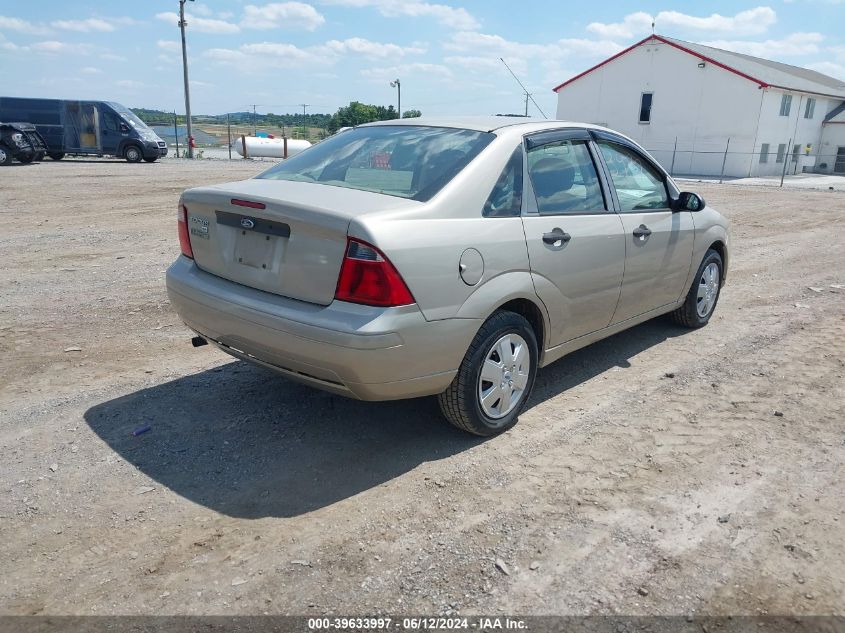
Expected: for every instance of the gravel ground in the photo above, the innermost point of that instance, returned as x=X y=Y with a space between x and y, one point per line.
x=661 y=471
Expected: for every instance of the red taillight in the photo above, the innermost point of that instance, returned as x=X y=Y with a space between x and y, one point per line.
x=184 y=235
x=367 y=277
x=248 y=203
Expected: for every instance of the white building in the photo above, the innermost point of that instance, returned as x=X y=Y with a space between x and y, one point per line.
x=687 y=104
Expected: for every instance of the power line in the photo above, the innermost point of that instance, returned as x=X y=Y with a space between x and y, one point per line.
x=527 y=94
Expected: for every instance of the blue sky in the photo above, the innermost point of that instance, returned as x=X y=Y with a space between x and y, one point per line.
x=328 y=52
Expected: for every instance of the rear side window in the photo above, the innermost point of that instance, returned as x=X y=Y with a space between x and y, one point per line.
x=505 y=200
x=406 y=161
x=564 y=178
x=638 y=185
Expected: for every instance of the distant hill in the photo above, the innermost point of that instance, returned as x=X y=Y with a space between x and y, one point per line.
x=160 y=117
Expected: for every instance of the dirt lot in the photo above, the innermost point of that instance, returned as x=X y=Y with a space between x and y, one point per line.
x=662 y=471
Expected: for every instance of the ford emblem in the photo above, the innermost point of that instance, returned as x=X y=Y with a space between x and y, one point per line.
x=247 y=223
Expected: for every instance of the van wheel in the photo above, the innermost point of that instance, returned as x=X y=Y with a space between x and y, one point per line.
x=56 y=155
x=133 y=154
x=495 y=378
x=27 y=159
x=5 y=156
x=702 y=297
x=151 y=159
x=40 y=156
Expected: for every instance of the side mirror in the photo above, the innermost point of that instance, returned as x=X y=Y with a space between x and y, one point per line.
x=688 y=201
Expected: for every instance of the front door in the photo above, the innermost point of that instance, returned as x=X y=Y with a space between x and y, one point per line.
x=658 y=240
x=576 y=245
x=114 y=131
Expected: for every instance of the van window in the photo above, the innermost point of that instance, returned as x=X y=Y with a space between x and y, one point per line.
x=111 y=122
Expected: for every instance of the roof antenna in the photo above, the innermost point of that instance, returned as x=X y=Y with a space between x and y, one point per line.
x=527 y=94
x=652 y=27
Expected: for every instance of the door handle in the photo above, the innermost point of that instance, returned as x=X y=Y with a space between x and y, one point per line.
x=556 y=235
x=642 y=231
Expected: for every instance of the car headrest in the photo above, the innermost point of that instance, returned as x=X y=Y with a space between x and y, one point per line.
x=552 y=175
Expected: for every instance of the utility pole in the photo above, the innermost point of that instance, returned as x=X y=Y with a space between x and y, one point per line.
x=398 y=85
x=254 y=125
x=182 y=25
x=524 y=89
x=304 y=125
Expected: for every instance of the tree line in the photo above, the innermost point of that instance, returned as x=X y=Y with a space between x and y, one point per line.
x=355 y=113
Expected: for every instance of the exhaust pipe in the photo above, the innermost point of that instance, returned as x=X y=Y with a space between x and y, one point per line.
x=198 y=341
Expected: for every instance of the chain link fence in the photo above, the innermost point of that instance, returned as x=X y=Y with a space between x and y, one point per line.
x=739 y=160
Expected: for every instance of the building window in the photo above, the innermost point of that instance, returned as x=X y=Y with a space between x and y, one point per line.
x=645 y=107
x=764 y=153
x=781 y=152
x=810 y=108
x=795 y=149
x=785 y=105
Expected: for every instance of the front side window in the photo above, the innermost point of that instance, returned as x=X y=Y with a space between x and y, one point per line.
x=785 y=105
x=405 y=161
x=764 y=153
x=111 y=122
x=645 y=107
x=564 y=178
x=810 y=108
x=505 y=200
x=638 y=185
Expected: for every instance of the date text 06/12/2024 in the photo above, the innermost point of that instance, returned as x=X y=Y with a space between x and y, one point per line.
x=385 y=623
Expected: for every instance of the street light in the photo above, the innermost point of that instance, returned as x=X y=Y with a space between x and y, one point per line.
x=396 y=84
x=182 y=25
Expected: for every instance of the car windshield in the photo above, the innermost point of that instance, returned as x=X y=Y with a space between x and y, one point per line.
x=134 y=121
x=406 y=161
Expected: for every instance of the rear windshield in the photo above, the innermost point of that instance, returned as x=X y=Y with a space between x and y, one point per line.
x=406 y=161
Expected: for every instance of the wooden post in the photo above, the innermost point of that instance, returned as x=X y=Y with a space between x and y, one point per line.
x=176 y=132
x=785 y=160
x=243 y=144
x=286 y=146
x=724 y=160
x=674 y=151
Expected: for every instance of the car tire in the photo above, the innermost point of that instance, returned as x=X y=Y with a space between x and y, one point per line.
x=151 y=159
x=507 y=342
x=133 y=154
x=27 y=159
x=5 y=156
x=56 y=155
x=703 y=295
x=39 y=156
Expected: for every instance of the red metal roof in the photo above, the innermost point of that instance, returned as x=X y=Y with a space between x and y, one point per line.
x=658 y=38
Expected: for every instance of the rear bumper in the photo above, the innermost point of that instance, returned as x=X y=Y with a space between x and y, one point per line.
x=358 y=351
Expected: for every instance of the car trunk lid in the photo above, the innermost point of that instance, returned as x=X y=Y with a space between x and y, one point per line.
x=284 y=237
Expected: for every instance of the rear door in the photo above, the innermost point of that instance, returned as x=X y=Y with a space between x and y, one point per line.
x=576 y=244
x=658 y=240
